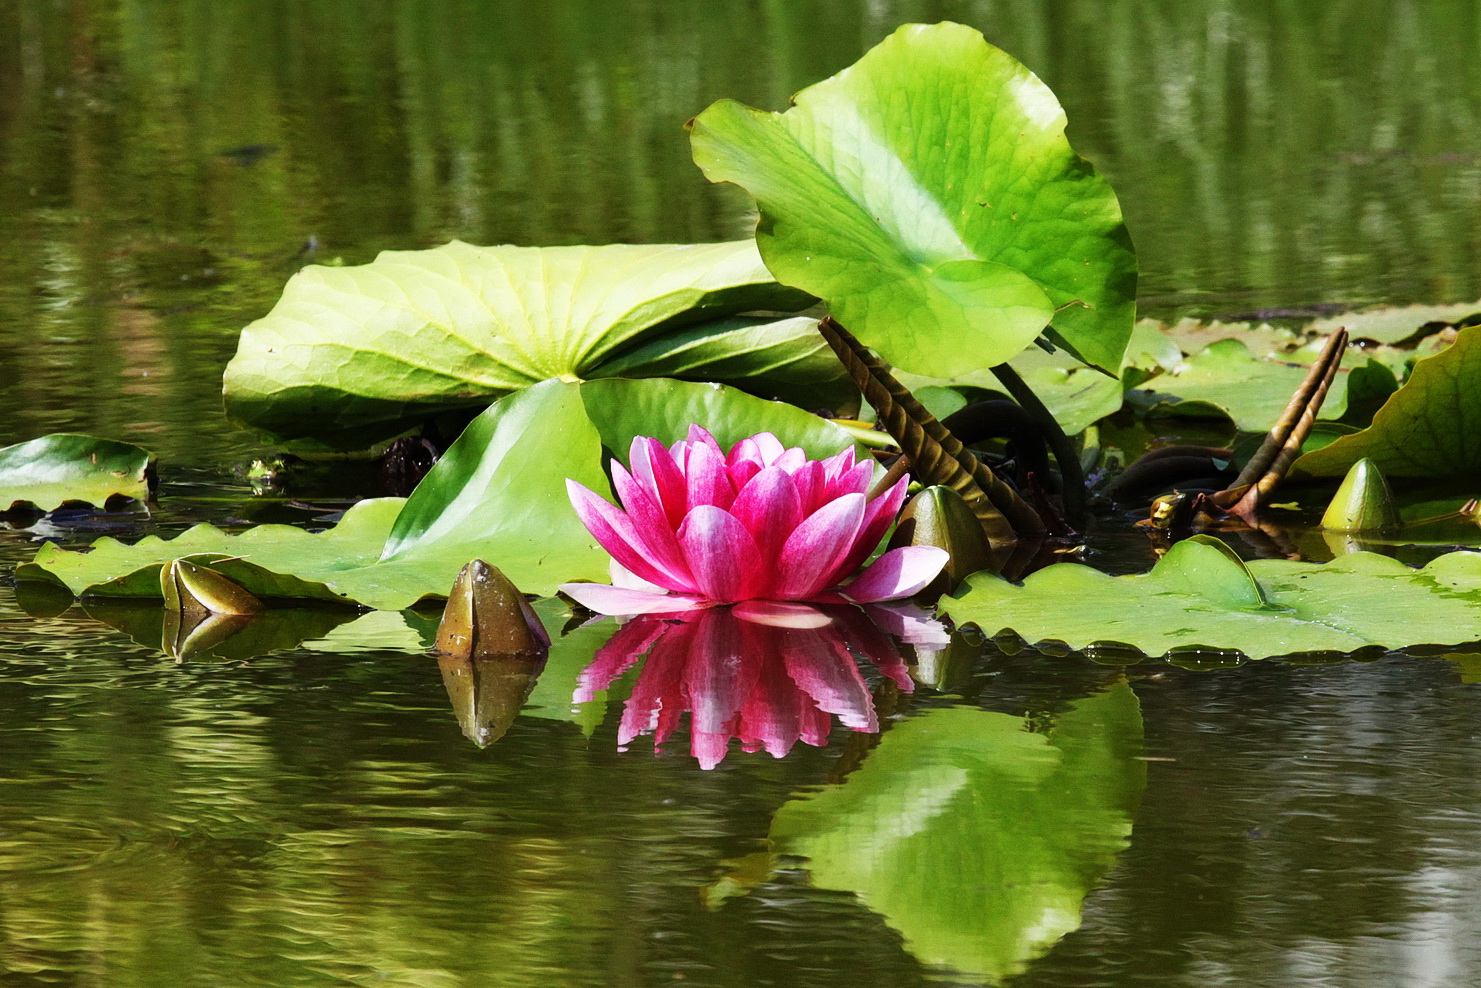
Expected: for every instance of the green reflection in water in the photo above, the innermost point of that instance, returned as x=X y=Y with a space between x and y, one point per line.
x=164 y=167
x=974 y=838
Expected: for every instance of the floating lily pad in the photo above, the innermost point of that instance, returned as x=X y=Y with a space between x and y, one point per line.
x=1201 y=595
x=974 y=838
x=51 y=471
x=499 y=493
x=1398 y=323
x=1428 y=428
x=350 y=355
x=928 y=193
x=1228 y=377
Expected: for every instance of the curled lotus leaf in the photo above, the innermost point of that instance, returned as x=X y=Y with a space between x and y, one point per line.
x=1427 y=428
x=351 y=355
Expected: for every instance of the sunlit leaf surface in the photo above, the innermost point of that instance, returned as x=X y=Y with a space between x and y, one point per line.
x=929 y=195
x=1428 y=428
x=354 y=354
x=499 y=494
x=47 y=472
x=1200 y=595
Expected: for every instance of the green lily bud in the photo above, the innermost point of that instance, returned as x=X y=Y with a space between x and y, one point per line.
x=1363 y=503
x=196 y=591
x=938 y=516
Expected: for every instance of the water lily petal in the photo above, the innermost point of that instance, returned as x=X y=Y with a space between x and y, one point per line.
x=791 y=460
x=707 y=479
x=699 y=434
x=651 y=525
x=855 y=480
x=879 y=514
x=616 y=533
x=812 y=553
x=781 y=614
x=655 y=468
x=620 y=653
x=898 y=573
x=770 y=508
x=605 y=599
x=838 y=464
x=761 y=449
x=722 y=554
x=624 y=577
x=811 y=486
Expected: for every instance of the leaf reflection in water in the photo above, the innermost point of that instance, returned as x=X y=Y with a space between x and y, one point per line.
x=768 y=673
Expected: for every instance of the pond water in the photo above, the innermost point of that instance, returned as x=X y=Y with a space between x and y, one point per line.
x=350 y=811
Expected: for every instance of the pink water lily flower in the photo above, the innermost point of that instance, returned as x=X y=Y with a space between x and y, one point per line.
x=699 y=526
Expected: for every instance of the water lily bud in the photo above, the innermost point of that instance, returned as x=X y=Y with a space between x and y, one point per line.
x=938 y=516
x=1363 y=503
x=195 y=590
x=486 y=615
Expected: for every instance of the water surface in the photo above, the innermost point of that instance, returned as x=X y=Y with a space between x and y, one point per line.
x=318 y=815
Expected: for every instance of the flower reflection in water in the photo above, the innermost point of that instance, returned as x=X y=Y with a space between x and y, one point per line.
x=768 y=673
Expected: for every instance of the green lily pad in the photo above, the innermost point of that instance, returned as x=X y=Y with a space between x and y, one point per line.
x=1398 y=323
x=499 y=493
x=1428 y=428
x=1228 y=377
x=350 y=355
x=928 y=193
x=974 y=838
x=51 y=471
x=1201 y=595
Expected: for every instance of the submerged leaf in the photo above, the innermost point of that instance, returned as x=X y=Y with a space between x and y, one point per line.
x=928 y=193
x=350 y=355
x=1199 y=596
x=48 y=472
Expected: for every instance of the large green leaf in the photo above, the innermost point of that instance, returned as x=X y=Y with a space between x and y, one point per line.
x=665 y=410
x=1428 y=428
x=353 y=354
x=974 y=838
x=1201 y=595
x=1077 y=396
x=499 y=494
x=929 y=195
x=48 y=472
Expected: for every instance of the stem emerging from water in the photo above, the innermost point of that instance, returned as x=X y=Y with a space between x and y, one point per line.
x=1071 y=474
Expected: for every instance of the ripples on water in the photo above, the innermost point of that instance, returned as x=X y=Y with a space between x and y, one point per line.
x=318 y=815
